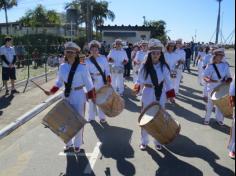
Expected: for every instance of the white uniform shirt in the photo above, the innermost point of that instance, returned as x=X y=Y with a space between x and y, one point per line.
x=211 y=73
x=118 y=56
x=172 y=59
x=140 y=57
x=81 y=78
x=182 y=54
x=207 y=59
x=9 y=53
x=97 y=79
x=162 y=76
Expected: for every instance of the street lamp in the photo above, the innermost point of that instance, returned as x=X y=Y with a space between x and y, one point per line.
x=218 y=22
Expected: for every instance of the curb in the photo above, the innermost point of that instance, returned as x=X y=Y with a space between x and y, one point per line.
x=29 y=115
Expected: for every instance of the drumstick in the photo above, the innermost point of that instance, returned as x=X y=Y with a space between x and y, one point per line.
x=38 y=86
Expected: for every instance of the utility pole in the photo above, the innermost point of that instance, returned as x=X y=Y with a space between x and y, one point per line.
x=5 y=9
x=218 y=22
x=144 y=20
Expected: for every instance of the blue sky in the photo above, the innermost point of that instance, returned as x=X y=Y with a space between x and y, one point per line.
x=183 y=17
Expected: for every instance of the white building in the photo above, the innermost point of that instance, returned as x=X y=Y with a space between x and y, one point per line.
x=129 y=33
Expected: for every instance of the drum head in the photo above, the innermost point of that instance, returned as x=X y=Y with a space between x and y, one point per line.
x=220 y=92
x=149 y=114
x=103 y=94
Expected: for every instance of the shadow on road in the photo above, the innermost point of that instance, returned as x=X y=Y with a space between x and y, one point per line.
x=76 y=165
x=5 y=101
x=171 y=165
x=186 y=147
x=116 y=145
x=130 y=100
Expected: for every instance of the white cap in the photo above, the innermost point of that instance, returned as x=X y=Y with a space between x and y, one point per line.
x=155 y=44
x=171 y=42
x=143 y=42
x=118 y=41
x=222 y=50
x=71 y=46
x=94 y=43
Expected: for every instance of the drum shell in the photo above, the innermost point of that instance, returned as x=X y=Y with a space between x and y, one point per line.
x=163 y=127
x=64 y=121
x=113 y=105
x=223 y=102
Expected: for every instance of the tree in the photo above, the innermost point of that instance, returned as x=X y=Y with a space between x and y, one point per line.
x=160 y=29
x=40 y=17
x=7 y=4
x=92 y=12
x=101 y=13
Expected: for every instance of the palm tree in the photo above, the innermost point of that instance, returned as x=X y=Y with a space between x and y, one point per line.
x=101 y=13
x=97 y=14
x=218 y=21
x=7 y=4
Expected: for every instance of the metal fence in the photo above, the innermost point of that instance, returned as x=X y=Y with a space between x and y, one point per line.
x=43 y=68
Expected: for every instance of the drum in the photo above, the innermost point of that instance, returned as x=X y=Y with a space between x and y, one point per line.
x=159 y=124
x=64 y=121
x=109 y=101
x=220 y=98
x=118 y=70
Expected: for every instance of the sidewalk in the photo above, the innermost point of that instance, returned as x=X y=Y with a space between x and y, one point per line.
x=14 y=106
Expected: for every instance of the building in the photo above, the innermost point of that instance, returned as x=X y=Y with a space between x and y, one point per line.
x=17 y=29
x=129 y=33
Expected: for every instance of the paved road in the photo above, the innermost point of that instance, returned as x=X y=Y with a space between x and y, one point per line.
x=112 y=149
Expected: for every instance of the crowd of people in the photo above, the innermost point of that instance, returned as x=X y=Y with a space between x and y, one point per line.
x=157 y=74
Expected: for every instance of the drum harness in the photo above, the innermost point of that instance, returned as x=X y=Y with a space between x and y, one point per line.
x=70 y=79
x=93 y=60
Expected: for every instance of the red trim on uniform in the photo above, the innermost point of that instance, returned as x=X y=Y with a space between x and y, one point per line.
x=54 y=89
x=92 y=94
x=171 y=93
x=109 y=79
x=229 y=80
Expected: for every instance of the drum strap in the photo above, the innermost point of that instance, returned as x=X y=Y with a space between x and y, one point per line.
x=217 y=71
x=93 y=60
x=158 y=87
x=70 y=79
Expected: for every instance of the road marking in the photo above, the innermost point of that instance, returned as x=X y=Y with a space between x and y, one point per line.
x=93 y=159
x=73 y=154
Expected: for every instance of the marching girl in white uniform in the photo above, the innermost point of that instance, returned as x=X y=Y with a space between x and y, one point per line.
x=215 y=74
x=118 y=58
x=99 y=70
x=154 y=66
x=173 y=60
x=140 y=57
x=75 y=95
x=182 y=58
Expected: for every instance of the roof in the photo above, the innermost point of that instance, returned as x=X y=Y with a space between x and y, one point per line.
x=126 y=28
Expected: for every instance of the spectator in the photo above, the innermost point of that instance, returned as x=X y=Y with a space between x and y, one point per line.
x=128 y=66
x=36 y=58
x=20 y=53
x=188 y=52
x=8 y=57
